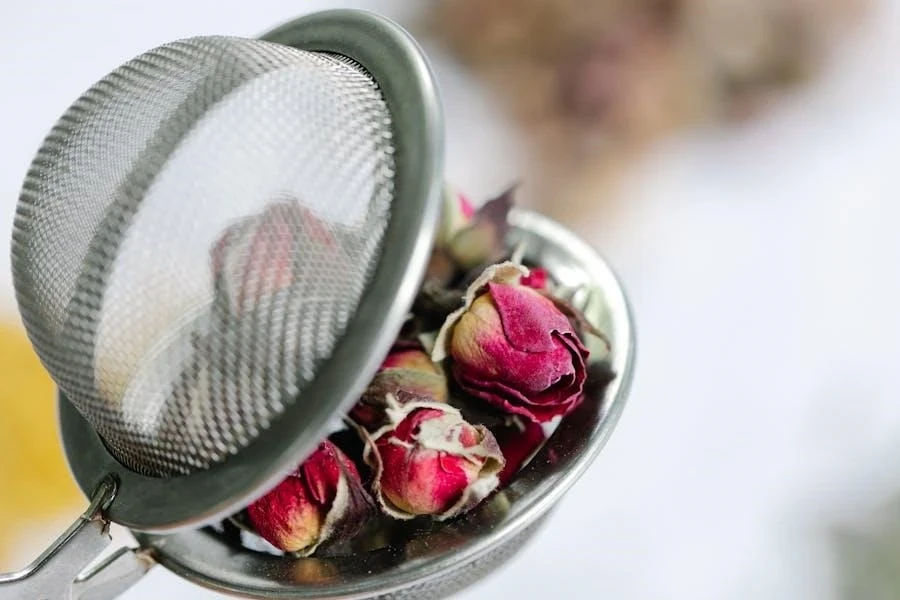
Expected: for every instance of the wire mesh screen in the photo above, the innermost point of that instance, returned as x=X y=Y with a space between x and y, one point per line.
x=194 y=237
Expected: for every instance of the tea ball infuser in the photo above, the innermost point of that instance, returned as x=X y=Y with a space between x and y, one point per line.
x=176 y=412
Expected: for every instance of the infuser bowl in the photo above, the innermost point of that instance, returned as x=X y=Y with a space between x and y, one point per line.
x=435 y=560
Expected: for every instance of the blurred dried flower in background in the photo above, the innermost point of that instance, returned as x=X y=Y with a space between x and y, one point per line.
x=866 y=552
x=592 y=82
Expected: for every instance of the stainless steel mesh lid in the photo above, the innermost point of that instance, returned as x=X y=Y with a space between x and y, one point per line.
x=194 y=237
x=204 y=243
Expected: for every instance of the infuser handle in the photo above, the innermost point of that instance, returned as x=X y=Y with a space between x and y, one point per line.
x=59 y=573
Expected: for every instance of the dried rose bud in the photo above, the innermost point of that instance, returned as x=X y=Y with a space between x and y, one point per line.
x=512 y=347
x=441 y=269
x=410 y=357
x=483 y=239
x=430 y=461
x=519 y=439
x=323 y=500
x=406 y=375
x=537 y=279
x=456 y=213
x=259 y=255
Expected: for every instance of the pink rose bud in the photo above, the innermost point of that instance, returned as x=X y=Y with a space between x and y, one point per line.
x=429 y=461
x=513 y=348
x=456 y=212
x=260 y=255
x=406 y=375
x=483 y=239
x=323 y=500
x=519 y=439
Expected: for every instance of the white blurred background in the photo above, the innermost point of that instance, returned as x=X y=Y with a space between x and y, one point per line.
x=763 y=262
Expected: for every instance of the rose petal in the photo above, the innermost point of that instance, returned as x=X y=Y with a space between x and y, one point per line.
x=479 y=330
x=351 y=509
x=514 y=402
x=519 y=440
x=557 y=398
x=480 y=347
x=537 y=279
x=407 y=384
x=465 y=206
x=414 y=358
x=397 y=387
x=488 y=477
x=456 y=213
x=428 y=483
x=501 y=273
x=528 y=317
x=579 y=320
x=323 y=469
x=484 y=239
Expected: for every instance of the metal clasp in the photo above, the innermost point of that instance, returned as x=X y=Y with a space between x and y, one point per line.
x=59 y=573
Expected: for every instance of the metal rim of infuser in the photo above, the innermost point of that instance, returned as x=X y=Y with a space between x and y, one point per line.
x=396 y=64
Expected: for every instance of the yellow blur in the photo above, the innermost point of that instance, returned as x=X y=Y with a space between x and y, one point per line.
x=36 y=484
